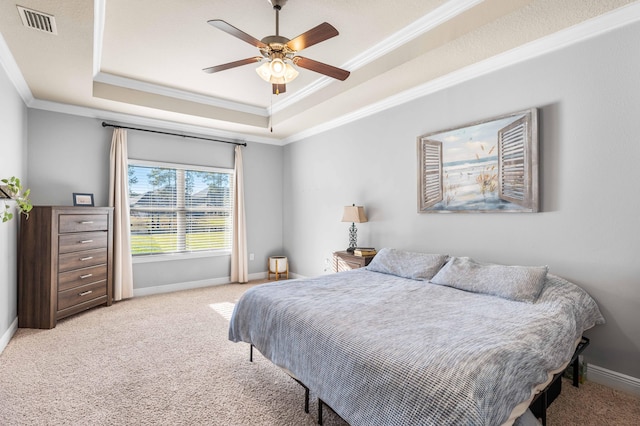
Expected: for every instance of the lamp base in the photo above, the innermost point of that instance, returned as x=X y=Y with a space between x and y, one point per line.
x=353 y=238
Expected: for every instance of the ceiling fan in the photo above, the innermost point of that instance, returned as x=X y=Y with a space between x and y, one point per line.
x=280 y=52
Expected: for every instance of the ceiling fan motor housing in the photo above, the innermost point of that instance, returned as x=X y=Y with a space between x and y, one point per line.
x=276 y=42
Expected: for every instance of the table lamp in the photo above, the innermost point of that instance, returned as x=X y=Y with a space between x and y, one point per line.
x=354 y=214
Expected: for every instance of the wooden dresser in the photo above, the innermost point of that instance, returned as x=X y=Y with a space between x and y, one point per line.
x=65 y=263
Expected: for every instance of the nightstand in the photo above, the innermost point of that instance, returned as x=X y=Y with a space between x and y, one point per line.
x=345 y=261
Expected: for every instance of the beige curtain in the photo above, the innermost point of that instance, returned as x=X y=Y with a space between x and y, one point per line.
x=239 y=266
x=119 y=200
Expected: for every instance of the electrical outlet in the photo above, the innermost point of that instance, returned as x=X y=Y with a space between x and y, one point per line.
x=251 y=256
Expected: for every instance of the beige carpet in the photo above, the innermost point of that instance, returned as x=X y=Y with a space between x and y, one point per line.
x=166 y=360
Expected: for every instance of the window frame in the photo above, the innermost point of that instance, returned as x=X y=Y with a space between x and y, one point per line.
x=181 y=255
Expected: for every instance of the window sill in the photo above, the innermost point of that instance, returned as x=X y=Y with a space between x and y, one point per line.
x=178 y=256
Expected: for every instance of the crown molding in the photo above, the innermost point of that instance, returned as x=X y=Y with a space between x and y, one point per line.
x=13 y=72
x=98 y=33
x=591 y=28
x=143 y=86
x=122 y=118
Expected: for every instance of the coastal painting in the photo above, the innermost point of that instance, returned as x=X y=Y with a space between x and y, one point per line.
x=482 y=167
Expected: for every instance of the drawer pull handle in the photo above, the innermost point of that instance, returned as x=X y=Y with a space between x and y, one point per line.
x=86 y=258
x=86 y=222
x=84 y=293
x=86 y=241
x=82 y=277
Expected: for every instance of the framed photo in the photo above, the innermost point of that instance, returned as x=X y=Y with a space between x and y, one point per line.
x=80 y=199
x=486 y=166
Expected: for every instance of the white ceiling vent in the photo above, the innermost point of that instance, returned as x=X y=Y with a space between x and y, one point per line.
x=38 y=20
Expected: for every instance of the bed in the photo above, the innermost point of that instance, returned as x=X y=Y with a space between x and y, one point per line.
x=418 y=338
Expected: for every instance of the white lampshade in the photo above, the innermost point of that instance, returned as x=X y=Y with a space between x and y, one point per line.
x=354 y=214
x=277 y=72
x=264 y=72
x=277 y=68
x=290 y=73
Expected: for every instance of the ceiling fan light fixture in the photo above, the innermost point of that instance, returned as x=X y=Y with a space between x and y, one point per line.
x=285 y=72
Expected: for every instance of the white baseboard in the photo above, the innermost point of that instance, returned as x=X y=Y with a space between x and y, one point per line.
x=4 y=341
x=295 y=276
x=613 y=379
x=169 y=288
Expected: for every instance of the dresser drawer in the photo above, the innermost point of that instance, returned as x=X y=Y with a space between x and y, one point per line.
x=82 y=259
x=81 y=294
x=82 y=222
x=78 y=277
x=347 y=265
x=69 y=243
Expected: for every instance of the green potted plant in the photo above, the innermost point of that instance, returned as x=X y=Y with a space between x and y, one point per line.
x=12 y=189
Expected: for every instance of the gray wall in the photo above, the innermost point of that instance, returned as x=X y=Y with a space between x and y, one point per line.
x=13 y=162
x=71 y=154
x=588 y=97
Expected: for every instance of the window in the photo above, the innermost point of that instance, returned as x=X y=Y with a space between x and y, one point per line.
x=179 y=209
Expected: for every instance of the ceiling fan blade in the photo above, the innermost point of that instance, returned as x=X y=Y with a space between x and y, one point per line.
x=279 y=88
x=234 y=64
x=321 y=68
x=315 y=35
x=230 y=29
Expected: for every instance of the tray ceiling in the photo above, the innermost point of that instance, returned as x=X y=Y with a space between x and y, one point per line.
x=142 y=60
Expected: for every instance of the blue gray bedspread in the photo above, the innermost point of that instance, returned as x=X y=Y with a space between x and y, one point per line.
x=381 y=349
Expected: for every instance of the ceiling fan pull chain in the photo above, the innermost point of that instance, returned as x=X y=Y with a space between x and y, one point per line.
x=271 y=114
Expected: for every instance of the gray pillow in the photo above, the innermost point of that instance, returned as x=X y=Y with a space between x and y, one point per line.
x=521 y=283
x=406 y=264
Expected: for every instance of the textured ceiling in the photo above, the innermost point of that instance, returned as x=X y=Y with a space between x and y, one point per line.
x=144 y=58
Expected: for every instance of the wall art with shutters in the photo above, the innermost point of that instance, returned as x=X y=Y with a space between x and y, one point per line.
x=484 y=167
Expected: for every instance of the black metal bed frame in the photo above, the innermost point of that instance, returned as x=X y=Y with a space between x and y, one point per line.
x=306 y=389
x=541 y=401
x=546 y=397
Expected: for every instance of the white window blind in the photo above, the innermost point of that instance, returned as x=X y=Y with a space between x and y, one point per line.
x=179 y=209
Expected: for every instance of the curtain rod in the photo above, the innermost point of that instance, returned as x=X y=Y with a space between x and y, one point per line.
x=172 y=134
